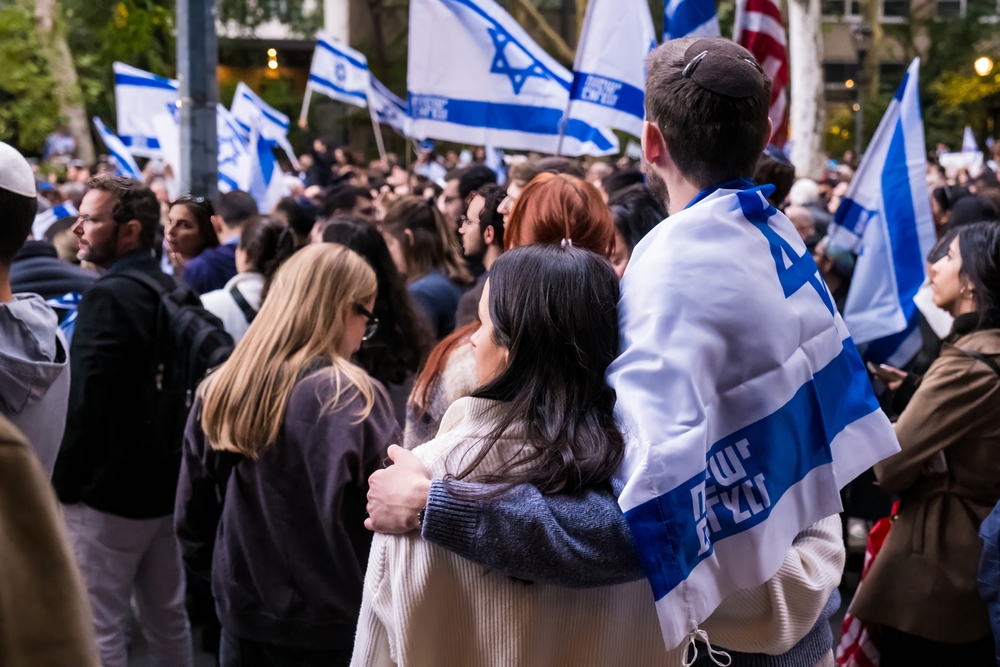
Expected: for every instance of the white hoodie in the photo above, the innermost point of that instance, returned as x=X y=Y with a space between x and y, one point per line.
x=34 y=374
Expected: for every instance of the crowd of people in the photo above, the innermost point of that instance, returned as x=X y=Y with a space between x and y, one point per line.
x=372 y=426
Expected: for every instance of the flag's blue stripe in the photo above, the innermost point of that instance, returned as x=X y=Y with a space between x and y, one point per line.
x=628 y=98
x=901 y=222
x=496 y=25
x=688 y=15
x=332 y=86
x=323 y=44
x=902 y=87
x=142 y=82
x=267 y=114
x=785 y=446
x=510 y=117
x=879 y=351
x=849 y=215
x=265 y=155
x=229 y=181
x=150 y=142
x=61 y=212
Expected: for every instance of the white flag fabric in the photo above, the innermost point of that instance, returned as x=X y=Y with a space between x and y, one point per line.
x=274 y=125
x=234 y=160
x=476 y=77
x=609 y=75
x=969 y=144
x=124 y=162
x=168 y=134
x=267 y=182
x=45 y=219
x=388 y=107
x=886 y=218
x=743 y=400
x=689 y=18
x=495 y=161
x=139 y=96
x=339 y=72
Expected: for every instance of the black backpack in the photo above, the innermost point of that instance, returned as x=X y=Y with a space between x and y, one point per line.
x=189 y=342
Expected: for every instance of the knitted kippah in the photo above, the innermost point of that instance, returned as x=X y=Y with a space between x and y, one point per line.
x=723 y=67
x=15 y=172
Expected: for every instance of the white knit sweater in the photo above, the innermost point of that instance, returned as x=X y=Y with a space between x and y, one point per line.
x=424 y=606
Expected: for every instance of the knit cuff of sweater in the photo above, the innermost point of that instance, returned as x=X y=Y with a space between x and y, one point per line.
x=449 y=521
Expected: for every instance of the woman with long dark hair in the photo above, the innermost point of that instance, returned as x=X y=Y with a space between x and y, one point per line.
x=922 y=586
x=394 y=354
x=427 y=252
x=189 y=230
x=542 y=415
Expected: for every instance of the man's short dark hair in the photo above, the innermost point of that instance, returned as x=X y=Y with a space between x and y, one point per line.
x=343 y=198
x=133 y=201
x=454 y=174
x=490 y=217
x=18 y=213
x=235 y=207
x=474 y=178
x=712 y=138
x=561 y=165
x=780 y=174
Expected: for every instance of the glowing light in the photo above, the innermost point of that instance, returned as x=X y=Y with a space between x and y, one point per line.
x=849 y=83
x=844 y=134
x=835 y=129
x=856 y=107
x=272 y=64
x=983 y=66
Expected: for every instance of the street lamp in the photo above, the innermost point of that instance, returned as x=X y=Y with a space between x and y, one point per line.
x=861 y=35
x=983 y=66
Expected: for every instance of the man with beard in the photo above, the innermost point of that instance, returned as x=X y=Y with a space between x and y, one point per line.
x=116 y=484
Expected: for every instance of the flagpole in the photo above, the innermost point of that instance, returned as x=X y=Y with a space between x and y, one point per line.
x=305 y=104
x=379 y=141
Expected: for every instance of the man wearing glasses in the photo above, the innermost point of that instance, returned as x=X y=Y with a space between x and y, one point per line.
x=114 y=476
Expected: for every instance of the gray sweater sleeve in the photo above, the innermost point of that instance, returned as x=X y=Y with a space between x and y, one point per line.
x=576 y=541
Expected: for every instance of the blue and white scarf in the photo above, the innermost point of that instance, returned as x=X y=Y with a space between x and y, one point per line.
x=745 y=405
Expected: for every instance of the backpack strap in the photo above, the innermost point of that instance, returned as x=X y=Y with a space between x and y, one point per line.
x=248 y=311
x=989 y=361
x=145 y=279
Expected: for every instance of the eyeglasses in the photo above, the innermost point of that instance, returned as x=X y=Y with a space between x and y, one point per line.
x=196 y=200
x=371 y=326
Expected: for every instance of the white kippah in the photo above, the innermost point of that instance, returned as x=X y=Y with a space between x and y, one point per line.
x=15 y=172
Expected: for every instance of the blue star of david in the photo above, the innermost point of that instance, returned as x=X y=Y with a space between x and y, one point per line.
x=500 y=65
x=340 y=71
x=803 y=269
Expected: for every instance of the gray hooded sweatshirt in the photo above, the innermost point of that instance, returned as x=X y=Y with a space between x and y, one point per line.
x=34 y=374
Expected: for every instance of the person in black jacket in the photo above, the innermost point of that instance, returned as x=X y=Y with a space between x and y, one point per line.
x=116 y=482
x=38 y=269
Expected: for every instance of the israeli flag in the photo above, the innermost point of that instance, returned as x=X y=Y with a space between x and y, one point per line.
x=339 y=72
x=969 y=144
x=267 y=182
x=124 y=162
x=139 y=96
x=476 y=77
x=248 y=105
x=609 y=75
x=46 y=219
x=743 y=400
x=689 y=18
x=886 y=218
x=234 y=160
x=388 y=107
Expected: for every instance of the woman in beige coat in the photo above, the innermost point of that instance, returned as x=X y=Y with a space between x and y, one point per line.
x=922 y=586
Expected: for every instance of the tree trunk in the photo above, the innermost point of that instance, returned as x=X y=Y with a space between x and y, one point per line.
x=63 y=72
x=808 y=103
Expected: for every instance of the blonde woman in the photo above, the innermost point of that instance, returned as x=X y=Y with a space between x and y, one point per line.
x=285 y=434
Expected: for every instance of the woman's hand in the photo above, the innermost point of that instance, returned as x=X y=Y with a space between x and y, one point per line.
x=397 y=494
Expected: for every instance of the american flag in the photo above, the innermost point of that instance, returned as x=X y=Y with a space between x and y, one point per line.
x=760 y=30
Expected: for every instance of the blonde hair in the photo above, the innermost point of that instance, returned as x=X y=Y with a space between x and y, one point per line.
x=302 y=320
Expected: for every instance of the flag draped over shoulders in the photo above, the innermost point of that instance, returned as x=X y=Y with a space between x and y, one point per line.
x=744 y=403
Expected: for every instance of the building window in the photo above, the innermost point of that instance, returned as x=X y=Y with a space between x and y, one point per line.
x=895 y=9
x=838 y=73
